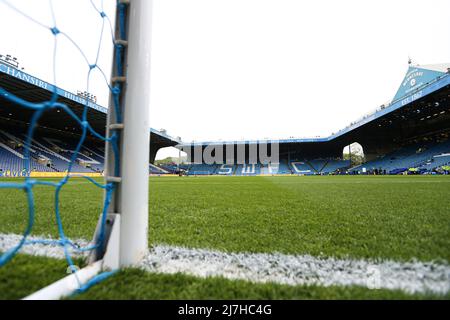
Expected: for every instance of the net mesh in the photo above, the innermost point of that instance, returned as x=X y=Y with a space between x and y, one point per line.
x=38 y=111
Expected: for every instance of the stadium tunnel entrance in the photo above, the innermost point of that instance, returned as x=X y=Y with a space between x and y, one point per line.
x=354 y=152
x=170 y=154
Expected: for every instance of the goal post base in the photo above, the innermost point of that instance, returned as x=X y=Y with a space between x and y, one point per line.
x=109 y=248
x=109 y=261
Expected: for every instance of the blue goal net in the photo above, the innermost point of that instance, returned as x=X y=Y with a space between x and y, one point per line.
x=38 y=110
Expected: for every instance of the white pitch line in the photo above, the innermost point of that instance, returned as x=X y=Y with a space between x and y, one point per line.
x=411 y=277
x=9 y=241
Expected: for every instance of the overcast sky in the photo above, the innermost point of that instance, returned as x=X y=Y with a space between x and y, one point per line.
x=246 y=68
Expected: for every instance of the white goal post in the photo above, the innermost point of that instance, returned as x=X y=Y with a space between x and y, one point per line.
x=126 y=240
x=130 y=198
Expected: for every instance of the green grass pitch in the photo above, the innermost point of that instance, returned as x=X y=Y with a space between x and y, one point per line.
x=389 y=217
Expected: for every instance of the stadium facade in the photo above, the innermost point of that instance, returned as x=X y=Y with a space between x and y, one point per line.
x=409 y=134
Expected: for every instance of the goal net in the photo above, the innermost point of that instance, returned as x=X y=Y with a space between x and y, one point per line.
x=120 y=238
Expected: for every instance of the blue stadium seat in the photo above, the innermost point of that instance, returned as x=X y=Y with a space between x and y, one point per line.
x=423 y=156
x=301 y=168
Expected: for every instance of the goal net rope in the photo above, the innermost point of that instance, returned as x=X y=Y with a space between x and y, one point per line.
x=28 y=184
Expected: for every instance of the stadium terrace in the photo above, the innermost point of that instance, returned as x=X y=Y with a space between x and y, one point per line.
x=408 y=135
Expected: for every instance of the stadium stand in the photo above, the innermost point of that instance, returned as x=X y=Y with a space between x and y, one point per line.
x=275 y=168
x=50 y=154
x=157 y=170
x=319 y=166
x=226 y=169
x=170 y=168
x=202 y=169
x=301 y=167
x=334 y=165
x=248 y=169
x=284 y=168
x=47 y=155
x=425 y=157
x=419 y=109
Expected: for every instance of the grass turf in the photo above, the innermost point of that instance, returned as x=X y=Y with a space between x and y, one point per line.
x=396 y=217
x=25 y=274
x=137 y=284
x=389 y=217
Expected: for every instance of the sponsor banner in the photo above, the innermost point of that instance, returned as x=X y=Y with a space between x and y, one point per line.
x=13 y=174
x=63 y=174
x=24 y=173
x=18 y=74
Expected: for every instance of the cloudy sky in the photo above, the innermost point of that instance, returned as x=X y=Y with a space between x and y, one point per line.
x=245 y=68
